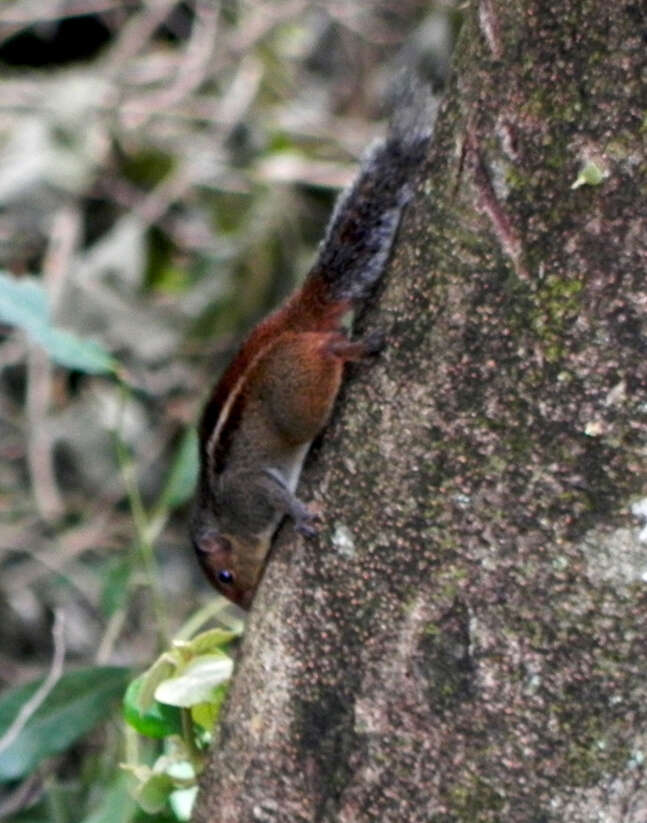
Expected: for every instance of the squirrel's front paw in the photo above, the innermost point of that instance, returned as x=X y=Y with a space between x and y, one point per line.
x=306 y=519
x=306 y=529
x=374 y=343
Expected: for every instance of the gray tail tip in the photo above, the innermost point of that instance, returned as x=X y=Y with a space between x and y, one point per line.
x=414 y=109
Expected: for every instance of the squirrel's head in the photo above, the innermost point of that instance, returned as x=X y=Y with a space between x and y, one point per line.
x=230 y=564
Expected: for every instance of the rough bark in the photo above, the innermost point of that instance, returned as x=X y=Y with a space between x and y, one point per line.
x=466 y=639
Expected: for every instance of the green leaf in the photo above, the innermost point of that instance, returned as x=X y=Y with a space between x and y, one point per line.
x=206 y=714
x=165 y=666
x=78 y=701
x=153 y=793
x=157 y=720
x=197 y=681
x=23 y=303
x=154 y=786
x=74 y=352
x=183 y=476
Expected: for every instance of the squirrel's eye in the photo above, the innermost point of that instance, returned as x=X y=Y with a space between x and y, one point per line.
x=226 y=577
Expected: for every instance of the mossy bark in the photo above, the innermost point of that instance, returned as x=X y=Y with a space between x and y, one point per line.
x=467 y=638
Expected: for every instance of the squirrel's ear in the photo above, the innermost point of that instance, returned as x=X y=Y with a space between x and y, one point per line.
x=214 y=544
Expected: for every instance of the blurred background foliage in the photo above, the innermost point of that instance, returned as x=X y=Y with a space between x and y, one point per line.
x=166 y=171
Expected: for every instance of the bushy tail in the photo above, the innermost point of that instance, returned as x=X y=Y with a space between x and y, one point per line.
x=366 y=217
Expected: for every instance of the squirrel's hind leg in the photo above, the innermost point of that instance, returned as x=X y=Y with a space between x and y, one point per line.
x=352 y=350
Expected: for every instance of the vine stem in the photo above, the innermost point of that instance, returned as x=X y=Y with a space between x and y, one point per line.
x=188 y=736
x=142 y=526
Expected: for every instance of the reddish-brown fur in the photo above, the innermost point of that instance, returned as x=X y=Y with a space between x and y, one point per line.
x=307 y=310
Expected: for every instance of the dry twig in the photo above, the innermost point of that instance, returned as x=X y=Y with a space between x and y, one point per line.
x=29 y=708
x=63 y=242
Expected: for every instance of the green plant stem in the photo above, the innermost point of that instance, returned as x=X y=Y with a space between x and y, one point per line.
x=211 y=609
x=55 y=805
x=131 y=745
x=142 y=528
x=189 y=740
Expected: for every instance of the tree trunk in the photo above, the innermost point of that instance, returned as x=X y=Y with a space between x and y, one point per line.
x=466 y=640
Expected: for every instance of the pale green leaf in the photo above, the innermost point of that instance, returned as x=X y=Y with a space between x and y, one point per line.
x=161 y=670
x=23 y=303
x=74 y=352
x=157 y=720
x=182 y=801
x=153 y=793
x=206 y=714
x=197 y=682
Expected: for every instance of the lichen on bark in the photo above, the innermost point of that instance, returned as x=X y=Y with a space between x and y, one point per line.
x=465 y=640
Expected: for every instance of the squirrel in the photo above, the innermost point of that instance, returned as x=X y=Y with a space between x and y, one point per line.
x=277 y=394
